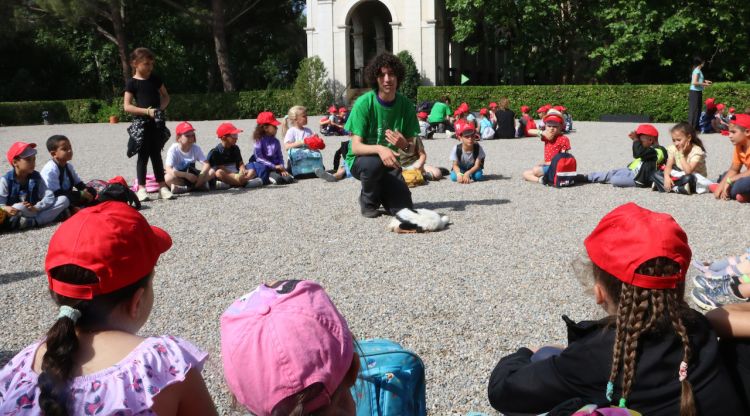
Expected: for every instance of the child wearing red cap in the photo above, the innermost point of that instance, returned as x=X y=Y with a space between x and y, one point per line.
x=467 y=157
x=652 y=353
x=327 y=127
x=304 y=162
x=267 y=150
x=720 y=122
x=226 y=161
x=182 y=175
x=24 y=196
x=100 y=270
x=705 y=122
x=554 y=142
x=735 y=184
x=648 y=156
x=148 y=133
x=486 y=131
x=278 y=361
x=425 y=132
x=526 y=123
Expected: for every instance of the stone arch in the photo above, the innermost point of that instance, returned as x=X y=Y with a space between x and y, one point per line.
x=369 y=33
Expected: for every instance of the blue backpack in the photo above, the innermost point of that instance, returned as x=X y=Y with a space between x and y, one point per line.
x=304 y=161
x=391 y=380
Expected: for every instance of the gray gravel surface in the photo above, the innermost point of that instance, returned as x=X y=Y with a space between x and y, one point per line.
x=497 y=279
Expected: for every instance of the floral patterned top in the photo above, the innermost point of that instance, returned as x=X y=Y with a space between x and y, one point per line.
x=126 y=388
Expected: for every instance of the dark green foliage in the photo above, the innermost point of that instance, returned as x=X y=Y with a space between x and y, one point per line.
x=408 y=86
x=664 y=103
x=214 y=106
x=312 y=87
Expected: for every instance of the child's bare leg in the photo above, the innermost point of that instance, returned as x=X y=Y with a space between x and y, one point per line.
x=533 y=174
x=228 y=178
x=435 y=172
x=340 y=174
x=204 y=177
x=731 y=320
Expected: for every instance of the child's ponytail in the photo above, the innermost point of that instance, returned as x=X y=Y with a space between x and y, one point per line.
x=292 y=115
x=285 y=126
x=687 y=400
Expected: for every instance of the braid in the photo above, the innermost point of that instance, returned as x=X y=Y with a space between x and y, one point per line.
x=635 y=327
x=623 y=312
x=687 y=400
x=57 y=364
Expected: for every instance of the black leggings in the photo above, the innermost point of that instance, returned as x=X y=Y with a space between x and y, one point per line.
x=695 y=101
x=151 y=149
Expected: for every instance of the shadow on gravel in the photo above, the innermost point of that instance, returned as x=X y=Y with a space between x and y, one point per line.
x=495 y=178
x=460 y=205
x=14 y=277
x=5 y=356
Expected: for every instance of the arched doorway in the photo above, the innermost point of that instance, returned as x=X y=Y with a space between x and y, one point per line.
x=370 y=35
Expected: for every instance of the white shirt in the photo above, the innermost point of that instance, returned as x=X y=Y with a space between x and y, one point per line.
x=295 y=134
x=180 y=161
x=51 y=175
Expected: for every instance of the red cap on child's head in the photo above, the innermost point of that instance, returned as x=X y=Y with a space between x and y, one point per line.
x=629 y=236
x=493 y=105
x=742 y=120
x=226 y=129
x=465 y=130
x=720 y=107
x=267 y=117
x=342 y=110
x=544 y=109
x=332 y=109
x=731 y=110
x=525 y=109
x=710 y=103
x=421 y=114
x=112 y=240
x=21 y=150
x=483 y=111
x=183 y=128
x=648 y=130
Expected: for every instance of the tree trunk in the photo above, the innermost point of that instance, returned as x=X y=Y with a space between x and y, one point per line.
x=119 y=28
x=220 y=44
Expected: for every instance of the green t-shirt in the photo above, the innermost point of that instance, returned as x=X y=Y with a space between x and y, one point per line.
x=369 y=120
x=439 y=112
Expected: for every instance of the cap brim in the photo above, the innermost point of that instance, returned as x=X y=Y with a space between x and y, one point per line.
x=552 y=123
x=163 y=240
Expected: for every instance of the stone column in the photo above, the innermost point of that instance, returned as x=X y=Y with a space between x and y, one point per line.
x=395 y=29
x=324 y=26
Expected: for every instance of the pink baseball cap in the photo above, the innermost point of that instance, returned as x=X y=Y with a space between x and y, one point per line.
x=278 y=340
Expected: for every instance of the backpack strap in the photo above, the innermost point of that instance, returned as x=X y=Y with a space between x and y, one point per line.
x=475 y=155
x=458 y=153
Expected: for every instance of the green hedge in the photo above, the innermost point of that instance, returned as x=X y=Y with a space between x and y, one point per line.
x=216 y=106
x=664 y=103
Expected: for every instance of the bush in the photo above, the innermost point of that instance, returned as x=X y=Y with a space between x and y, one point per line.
x=664 y=103
x=312 y=87
x=217 y=106
x=408 y=86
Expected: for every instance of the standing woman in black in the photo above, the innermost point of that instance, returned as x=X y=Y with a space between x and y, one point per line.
x=697 y=82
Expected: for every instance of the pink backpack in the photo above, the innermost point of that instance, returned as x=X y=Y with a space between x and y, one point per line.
x=151 y=184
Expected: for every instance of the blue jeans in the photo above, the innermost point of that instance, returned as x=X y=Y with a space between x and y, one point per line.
x=622 y=177
x=741 y=186
x=476 y=176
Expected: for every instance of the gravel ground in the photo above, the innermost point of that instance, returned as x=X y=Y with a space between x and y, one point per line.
x=497 y=279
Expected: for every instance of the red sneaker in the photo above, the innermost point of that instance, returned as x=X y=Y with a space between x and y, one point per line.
x=712 y=187
x=741 y=198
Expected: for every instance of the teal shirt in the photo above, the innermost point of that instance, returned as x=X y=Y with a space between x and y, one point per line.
x=369 y=120
x=700 y=80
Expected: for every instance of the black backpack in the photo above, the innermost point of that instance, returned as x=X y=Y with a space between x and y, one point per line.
x=425 y=106
x=475 y=154
x=119 y=192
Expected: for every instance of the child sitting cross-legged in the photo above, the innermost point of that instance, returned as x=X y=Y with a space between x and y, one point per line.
x=100 y=270
x=287 y=350
x=267 y=150
x=735 y=184
x=554 y=142
x=182 y=175
x=60 y=176
x=414 y=158
x=23 y=194
x=647 y=154
x=652 y=353
x=467 y=158
x=686 y=161
x=226 y=164
x=301 y=157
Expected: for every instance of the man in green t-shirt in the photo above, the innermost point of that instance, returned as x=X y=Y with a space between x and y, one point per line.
x=440 y=115
x=380 y=122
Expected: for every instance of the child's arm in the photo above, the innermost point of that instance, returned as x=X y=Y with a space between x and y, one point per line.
x=419 y=164
x=278 y=158
x=127 y=105
x=163 y=97
x=668 y=172
x=689 y=166
x=4 y=193
x=722 y=191
x=46 y=197
x=476 y=167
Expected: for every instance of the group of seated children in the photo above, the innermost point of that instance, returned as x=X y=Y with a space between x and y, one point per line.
x=29 y=198
x=333 y=125
x=652 y=353
x=715 y=119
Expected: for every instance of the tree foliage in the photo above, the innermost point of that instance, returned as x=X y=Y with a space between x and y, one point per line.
x=312 y=87
x=408 y=86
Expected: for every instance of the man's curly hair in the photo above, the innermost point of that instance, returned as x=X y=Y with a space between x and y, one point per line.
x=384 y=60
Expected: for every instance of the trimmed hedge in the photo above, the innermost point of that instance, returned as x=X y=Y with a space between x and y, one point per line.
x=664 y=103
x=216 y=106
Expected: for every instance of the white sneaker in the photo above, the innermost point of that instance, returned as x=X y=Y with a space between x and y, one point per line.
x=165 y=193
x=254 y=183
x=178 y=189
x=220 y=186
x=142 y=194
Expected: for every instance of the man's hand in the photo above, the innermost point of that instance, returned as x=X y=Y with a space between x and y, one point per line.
x=396 y=138
x=389 y=158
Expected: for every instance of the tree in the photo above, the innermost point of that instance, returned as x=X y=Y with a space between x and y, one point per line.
x=409 y=84
x=95 y=13
x=312 y=87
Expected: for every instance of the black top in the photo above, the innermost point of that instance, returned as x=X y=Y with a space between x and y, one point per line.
x=582 y=371
x=145 y=91
x=220 y=156
x=506 y=128
x=649 y=157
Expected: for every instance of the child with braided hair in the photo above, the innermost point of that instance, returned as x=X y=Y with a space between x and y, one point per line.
x=652 y=353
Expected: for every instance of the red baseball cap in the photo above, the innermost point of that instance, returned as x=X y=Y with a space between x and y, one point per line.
x=493 y=105
x=458 y=112
x=464 y=107
x=525 y=109
x=112 y=240
x=720 y=107
x=332 y=109
x=742 y=120
x=342 y=109
x=544 y=108
x=465 y=130
x=648 y=130
x=20 y=150
x=267 y=117
x=226 y=129
x=553 y=120
x=183 y=128
x=629 y=236
x=422 y=114
x=710 y=102
x=731 y=109
x=483 y=111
